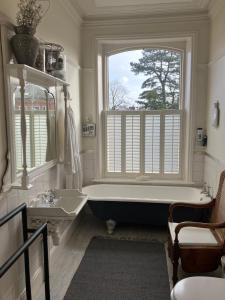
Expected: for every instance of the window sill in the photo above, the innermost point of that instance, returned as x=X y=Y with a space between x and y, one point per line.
x=145 y=182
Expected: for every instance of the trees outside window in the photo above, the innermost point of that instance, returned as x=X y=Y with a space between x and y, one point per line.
x=162 y=69
x=118 y=96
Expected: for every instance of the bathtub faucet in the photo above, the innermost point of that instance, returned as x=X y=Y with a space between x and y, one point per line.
x=205 y=189
x=210 y=191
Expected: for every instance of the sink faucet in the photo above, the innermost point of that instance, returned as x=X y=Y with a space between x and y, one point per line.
x=47 y=197
x=50 y=195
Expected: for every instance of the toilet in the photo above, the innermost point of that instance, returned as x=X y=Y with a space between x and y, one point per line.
x=199 y=288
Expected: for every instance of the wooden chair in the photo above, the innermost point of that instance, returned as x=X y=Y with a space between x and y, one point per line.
x=199 y=246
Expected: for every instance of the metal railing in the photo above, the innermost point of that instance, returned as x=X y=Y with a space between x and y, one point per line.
x=23 y=250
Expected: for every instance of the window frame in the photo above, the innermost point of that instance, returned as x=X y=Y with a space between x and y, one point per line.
x=181 y=110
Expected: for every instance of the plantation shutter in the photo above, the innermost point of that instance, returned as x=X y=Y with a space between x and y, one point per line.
x=113 y=132
x=18 y=140
x=40 y=137
x=143 y=142
x=36 y=139
x=152 y=144
x=172 y=144
x=133 y=128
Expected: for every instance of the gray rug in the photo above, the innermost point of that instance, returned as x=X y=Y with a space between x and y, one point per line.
x=121 y=270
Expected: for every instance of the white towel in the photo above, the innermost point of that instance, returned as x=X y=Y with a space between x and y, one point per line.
x=72 y=155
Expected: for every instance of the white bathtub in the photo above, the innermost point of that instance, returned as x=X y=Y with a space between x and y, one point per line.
x=144 y=193
x=144 y=204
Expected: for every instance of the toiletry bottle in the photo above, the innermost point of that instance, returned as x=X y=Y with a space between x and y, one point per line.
x=199 y=137
x=204 y=140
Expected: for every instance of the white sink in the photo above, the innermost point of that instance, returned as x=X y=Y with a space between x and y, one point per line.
x=67 y=205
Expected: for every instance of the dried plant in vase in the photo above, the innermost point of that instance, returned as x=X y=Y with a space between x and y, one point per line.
x=25 y=46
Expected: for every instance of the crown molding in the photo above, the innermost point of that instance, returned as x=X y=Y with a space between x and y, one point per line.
x=215 y=6
x=109 y=9
x=137 y=20
x=78 y=16
x=71 y=11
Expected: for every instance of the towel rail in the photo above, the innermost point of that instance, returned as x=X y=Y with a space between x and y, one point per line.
x=23 y=250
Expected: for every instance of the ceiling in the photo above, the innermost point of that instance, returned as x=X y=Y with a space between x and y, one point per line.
x=116 y=8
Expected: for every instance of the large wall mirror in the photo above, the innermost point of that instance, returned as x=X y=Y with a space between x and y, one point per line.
x=40 y=115
x=33 y=100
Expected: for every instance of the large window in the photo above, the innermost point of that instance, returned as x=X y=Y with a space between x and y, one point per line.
x=143 y=116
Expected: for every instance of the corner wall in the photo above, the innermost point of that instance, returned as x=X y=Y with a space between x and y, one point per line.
x=215 y=152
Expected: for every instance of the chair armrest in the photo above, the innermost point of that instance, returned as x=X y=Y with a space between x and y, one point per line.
x=190 y=205
x=197 y=225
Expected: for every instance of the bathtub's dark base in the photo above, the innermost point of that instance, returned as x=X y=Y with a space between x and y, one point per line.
x=155 y=214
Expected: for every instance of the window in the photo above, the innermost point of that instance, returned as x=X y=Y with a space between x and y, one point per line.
x=143 y=116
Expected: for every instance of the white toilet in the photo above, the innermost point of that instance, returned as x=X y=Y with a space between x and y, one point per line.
x=199 y=288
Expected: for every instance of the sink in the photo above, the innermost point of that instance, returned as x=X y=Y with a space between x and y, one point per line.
x=65 y=208
x=67 y=205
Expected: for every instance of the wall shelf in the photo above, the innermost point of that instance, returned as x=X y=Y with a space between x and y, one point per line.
x=27 y=73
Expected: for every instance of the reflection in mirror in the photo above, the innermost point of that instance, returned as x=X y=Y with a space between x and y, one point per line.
x=40 y=126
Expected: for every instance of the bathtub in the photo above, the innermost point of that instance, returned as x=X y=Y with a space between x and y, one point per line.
x=143 y=204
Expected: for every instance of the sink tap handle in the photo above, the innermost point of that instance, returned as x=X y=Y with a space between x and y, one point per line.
x=51 y=195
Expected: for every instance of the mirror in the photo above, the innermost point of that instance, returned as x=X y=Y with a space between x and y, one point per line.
x=40 y=116
x=35 y=100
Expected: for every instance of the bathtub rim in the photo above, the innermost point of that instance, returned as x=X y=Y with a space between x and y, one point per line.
x=134 y=181
x=205 y=198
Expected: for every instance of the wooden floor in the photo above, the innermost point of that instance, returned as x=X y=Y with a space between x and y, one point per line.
x=69 y=257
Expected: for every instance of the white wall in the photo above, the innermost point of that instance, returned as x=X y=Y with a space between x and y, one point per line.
x=60 y=27
x=145 y=28
x=215 y=153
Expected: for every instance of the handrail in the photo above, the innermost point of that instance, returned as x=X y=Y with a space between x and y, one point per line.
x=12 y=214
x=24 y=250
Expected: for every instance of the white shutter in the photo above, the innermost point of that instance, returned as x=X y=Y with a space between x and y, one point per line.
x=152 y=144
x=36 y=139
x=143 y=143
x=113 y=123
x=172 y=144
x=18 y=140
x=40 y=137
x=133 y=129
x=28 y=140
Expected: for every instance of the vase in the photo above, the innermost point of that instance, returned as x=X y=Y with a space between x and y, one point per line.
x=25 y=48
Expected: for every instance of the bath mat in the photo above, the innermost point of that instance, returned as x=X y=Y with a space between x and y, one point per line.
x=121 y=270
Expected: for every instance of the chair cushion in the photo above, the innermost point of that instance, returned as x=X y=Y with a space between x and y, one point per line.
x=196 y=288
x=193 y=235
